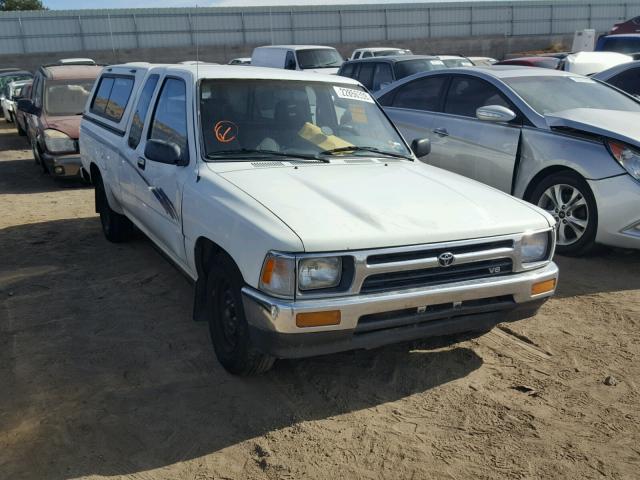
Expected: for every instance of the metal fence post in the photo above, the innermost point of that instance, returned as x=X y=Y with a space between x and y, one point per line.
x=340 y=25
x=135 y=30
x=23 y=40
x=191 y=33
x=386 y=24
x=244 y=29
x=82 y=44
x=551 y=20
x=471 y=21
x=291 y=27
x=428 y=23
x=113 y=45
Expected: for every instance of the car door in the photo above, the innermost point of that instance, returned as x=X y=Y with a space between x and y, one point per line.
x=161 y=194
x=36 y=100
x=413 y=107
x=130 y=173
x=365 y=74
x=382 y=76
x=482 y=150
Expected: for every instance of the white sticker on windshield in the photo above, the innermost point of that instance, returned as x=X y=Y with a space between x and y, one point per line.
x=437 y=62
x=582 y=80
x=353 y=94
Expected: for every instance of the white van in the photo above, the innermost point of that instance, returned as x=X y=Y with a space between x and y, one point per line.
x=313 y=58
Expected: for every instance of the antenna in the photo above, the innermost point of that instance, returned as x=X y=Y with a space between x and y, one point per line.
x=197 y=82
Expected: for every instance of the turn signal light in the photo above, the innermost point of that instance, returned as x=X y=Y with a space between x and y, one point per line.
x=318 y=319
x=543 y=287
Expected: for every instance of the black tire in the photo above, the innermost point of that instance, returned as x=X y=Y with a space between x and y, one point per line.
x=116 y=227
x=227 y=322
x=21 y=131
x=12 y=119
x=38 y=158
x=572 y=238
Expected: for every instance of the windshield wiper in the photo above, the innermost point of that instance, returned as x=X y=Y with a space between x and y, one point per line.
x=258 y=151
x=354 y=148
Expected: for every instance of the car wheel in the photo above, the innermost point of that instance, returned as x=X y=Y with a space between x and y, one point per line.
x=227 y=322
x=21 y=131
x=37 y=157
x=11 y=118
x=569 y=199
x=116 y=227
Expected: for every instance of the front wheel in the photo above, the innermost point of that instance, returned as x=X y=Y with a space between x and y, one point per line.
x=228 y=324
x=567 y=196
x=116 y=227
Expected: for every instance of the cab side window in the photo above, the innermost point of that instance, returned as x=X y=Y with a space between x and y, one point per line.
x=347 y=70
x=467 y=94
x=142 y=108
x=169 y=122
x=111 y=97
x=36 y=92
x=290 y=61
x=629 y=81
x=422 y=94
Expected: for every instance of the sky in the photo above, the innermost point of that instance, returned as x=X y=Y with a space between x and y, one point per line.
x=79 y=4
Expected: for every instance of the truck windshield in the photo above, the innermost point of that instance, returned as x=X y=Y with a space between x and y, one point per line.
x=550 y=94
x=319 y=58
x=621 y=44
x=66 y=97
x=314 y=120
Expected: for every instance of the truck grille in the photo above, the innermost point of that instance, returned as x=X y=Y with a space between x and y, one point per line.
x=436 y=276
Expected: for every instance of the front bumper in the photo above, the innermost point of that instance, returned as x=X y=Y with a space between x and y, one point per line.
x=618 y=200
x=63 y=166
x=369 y=321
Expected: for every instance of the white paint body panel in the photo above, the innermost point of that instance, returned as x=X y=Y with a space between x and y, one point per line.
x=250 y=210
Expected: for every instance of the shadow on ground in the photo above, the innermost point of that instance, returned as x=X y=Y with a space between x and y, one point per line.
x=104 y=372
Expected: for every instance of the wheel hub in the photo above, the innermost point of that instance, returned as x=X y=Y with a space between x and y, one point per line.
x=568 y=206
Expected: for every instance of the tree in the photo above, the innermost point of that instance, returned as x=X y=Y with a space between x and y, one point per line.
x=9 y=5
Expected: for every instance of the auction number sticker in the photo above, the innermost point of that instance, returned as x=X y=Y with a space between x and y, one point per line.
x=353 y=94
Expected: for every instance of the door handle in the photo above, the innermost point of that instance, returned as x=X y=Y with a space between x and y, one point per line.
x=441 y=131
x=141 y=163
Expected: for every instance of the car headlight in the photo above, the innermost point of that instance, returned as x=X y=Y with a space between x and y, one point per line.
x=321 y=272
x=278 y=275
x=58 y=142
x=626 y=156
x=534 y=247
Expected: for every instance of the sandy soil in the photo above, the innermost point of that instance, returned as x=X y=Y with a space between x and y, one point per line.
x=104 y=374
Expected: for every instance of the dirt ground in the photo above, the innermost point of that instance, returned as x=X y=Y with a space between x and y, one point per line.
x=104 y=374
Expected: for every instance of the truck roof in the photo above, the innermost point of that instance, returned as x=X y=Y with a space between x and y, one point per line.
x=239 y=72
x=296 y=47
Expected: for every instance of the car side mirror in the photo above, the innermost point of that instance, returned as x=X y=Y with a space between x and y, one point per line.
x=421 y=147
x=495 y=113
x=163 y=152
x=27 y=106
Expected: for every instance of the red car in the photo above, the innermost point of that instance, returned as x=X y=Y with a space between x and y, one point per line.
x=630 y=26
x=542 y=62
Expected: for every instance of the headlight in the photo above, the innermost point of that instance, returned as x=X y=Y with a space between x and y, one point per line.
x=278 y=275
x=534 y=248
x=58 y=142
x=321 y=272
x=627 y=157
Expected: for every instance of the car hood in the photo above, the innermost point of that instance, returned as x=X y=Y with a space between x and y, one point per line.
x=616 y=124
x=67 y=124
x=341 y=207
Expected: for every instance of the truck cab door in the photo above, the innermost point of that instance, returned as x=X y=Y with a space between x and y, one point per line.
x=160 y=194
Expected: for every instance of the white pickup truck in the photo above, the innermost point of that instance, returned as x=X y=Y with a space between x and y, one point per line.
x=301 y=214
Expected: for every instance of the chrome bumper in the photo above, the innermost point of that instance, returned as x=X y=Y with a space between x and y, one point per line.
x=276 y=315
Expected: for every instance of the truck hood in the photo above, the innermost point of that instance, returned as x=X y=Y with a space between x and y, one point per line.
x=67 y=124
x=616 y=124
x=346 y=207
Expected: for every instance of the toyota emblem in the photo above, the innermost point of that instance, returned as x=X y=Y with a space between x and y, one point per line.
x=446 y=259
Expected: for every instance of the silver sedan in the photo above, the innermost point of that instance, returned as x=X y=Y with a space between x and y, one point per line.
x=564 y=142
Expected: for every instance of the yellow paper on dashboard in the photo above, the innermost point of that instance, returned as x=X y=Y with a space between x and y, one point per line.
x=313 y=134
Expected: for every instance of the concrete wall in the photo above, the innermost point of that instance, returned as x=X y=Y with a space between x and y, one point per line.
x=489 y=46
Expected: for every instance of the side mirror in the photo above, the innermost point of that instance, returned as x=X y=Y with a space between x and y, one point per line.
x=163 y=152
x=495 y=113
x=421 y=147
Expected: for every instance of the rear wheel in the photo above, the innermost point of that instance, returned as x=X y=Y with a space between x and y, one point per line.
x=21 y=131
x=116 y=227
x=567 y=196
x=227 y=322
